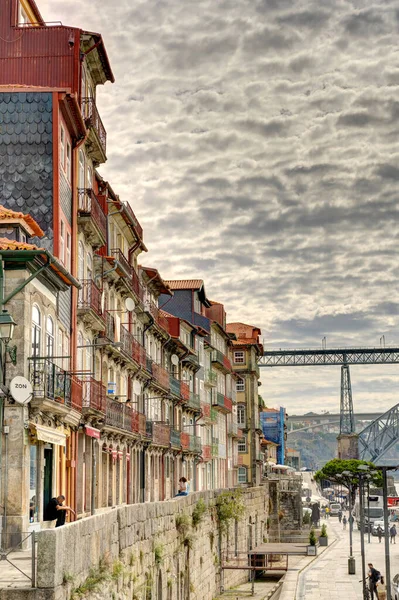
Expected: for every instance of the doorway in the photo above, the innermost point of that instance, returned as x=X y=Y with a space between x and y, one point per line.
x=48 y=476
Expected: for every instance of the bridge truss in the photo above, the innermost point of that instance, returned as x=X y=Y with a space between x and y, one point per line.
x=382 y=434
x=384 y=431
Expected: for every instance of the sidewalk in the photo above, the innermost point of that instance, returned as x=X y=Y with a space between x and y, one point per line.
x=327 y=576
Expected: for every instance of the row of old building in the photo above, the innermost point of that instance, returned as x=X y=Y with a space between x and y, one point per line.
x=136 y=380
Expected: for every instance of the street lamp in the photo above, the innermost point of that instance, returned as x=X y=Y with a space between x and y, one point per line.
x=351 y=559
x=7 y=326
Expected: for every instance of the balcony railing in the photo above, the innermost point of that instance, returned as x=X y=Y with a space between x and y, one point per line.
x=222 y=402
x=89 y=206
x=174 y=385
x=90 y=297
x=194 y=401
x=184 y=391
x=195 y=444
x=154 y=311
x=210 y=377
x=206 y=452
x=136 y=224
x=161 y=375
x=159 y=433
x=94 y=395
x=109 y=326
x=185 y=440
x=206 y=410
x=123 y=261
x=114 y=416
x=93 y=120
x=214 y=415
x=221 y=360
x=136 y=285
x=76 y=393
x=132 y=348
x=49 y=381
x=175 y=438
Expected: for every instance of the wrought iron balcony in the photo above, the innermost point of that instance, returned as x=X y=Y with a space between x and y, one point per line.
x=184 y=391
x=137 y=227
x=132 y=348
x=89 y=304
x=161 y=375
x=207 y=452
x=123 y=261
x=49 y=381
x=114 y=416
x=206 y=410
x=221 y=402
x=185 y=440
x=194 y=401
x=210 y=377
x=221 y=361
x=174 y=385
x=154 y=311
x=98 y=135
x=175 y=438
x=76 y=393
x=109 y=326
x=159 y=433
x=91 y=217
x=195 y=444
x=94 y=395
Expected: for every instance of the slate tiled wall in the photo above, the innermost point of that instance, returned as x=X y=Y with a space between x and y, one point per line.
x=26 y=157
x=180 y=305
x=64 y=308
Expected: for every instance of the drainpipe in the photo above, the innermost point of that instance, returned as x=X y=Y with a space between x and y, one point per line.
x=93 y=475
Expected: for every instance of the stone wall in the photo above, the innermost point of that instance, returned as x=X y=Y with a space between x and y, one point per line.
x=149 y=551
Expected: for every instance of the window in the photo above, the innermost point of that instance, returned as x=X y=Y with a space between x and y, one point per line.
x=239 y=358
x=36 y=330
x=240 y=385
x=68 y=252
x=242 y=444
x=62 y=242
x=242 y=475
x=62 y=147
x=89 y=267
x=81 y=169
x=89 y=182
x=241 y=416
x=81 y=262
x=68 y=161
x=49 y=337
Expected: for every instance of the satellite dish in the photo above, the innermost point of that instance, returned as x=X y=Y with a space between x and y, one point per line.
x=129 y=304
x=137 y=387
x=21 y=390
x=102 y=301
x=175 y=359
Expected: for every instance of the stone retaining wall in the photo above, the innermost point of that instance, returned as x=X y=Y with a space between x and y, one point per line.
x=136 y=552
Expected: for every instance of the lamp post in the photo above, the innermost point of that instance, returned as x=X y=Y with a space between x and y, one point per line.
x=351 y=559
x=362 y=475
x=386 y=531
x=7 y=326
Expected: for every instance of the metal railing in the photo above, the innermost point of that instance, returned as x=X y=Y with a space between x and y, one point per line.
x=174 y=385
x=138 y=228
x=94 y=395
x=109 y=326
x=161 y=375
x=123 y=261
x=195 y=444
x=159 y=433
x=93 y=119
x=88 y=205
x=89 y=297
x=49 y=380
x=18 y=559
x=175 y=438
x=219 y=358
x=184 y=391
x=210 y=377
x=194 y=401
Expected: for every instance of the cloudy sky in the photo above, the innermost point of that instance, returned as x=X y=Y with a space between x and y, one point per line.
x=257 y=142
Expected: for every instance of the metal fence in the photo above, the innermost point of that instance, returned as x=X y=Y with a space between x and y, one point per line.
x=17 y=559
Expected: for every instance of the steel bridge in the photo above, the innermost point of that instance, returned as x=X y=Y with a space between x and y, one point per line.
x=378 y=437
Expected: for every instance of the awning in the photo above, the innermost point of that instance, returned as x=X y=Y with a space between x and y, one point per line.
x=92 y=432
x=51 y=436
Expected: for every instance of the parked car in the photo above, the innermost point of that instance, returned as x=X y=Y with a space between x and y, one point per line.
x=395 y=587
x=375 y=526
x=335 y=507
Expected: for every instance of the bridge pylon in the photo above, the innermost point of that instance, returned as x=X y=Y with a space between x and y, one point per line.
x=346 y=420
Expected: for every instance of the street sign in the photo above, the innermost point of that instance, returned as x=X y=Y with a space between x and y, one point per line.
x=21 y=389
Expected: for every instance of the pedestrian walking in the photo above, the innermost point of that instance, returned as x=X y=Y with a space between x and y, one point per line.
x=344 y=522
x=374 y=577
x=381 y=589
x=392 y=533
x=56 y=511
x=379 y=533
x=327 y=512
x=340 y=516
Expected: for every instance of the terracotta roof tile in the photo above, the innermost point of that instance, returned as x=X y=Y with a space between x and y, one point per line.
x=184 y=284
x=6 y=244
x=10 y=215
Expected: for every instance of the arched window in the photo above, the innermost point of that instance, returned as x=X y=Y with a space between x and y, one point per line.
x=89 y=266
x=242 y=475
x=49 y=337
x=36 y=330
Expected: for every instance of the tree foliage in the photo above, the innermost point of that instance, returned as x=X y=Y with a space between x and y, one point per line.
x=334 y=469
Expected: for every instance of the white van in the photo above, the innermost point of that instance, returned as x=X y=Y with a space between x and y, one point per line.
x=335 y=507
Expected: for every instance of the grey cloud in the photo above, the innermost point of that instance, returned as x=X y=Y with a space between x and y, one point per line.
x=366 y=23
